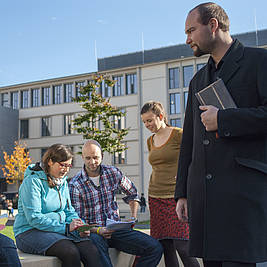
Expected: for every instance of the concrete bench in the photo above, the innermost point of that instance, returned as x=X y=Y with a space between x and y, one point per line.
x=119 y=259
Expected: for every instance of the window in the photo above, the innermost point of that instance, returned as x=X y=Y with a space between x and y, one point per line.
x=119 y=158
x=57 y=94
x=188 y=73
x=118 y=88
x=15 y=100
x=68 y=124
x=45 y=96
x=201 y=65
x=35 y=97
x=4 y=100
x=185 y=99
x=176 y=123
x=119 y=122
x=68 y=93
x=24 y=99
x=174 y=74
x=46 y=131
x=93 y=123
x=78 y=87
x=91 y=82
x=131 y=84
x=24 y=129
x=105 y=90
x=175 y=103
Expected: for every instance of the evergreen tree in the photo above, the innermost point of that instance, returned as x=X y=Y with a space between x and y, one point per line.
x=98 y=122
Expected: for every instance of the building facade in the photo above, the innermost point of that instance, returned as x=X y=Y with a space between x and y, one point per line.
x=46 y=109
x=8 y=135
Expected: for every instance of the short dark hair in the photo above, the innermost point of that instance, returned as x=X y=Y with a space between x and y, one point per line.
x=57 y=153
x=211 y=10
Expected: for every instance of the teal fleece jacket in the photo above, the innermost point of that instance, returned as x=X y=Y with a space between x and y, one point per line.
x=42 y=207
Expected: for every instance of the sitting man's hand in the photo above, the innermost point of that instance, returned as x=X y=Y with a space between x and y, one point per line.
x=103 y=231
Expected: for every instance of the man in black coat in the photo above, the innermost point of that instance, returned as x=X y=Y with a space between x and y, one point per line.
x=222 y=176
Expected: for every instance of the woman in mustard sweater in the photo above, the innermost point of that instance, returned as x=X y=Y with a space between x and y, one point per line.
x=164 y=147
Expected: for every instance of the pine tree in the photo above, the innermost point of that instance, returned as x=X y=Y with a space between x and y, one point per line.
x=98 y=122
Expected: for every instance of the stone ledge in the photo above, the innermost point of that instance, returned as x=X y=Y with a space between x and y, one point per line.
x=31 y=260
x=118 y=258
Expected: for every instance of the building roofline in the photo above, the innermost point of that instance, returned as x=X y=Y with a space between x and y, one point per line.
x=50 y=80
x=172 y=52
x=235 y=35
x=150 y=56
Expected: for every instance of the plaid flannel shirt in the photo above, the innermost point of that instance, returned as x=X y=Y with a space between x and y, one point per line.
x=95 y=204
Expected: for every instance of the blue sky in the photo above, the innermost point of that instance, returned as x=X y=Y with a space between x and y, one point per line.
x=42 y=39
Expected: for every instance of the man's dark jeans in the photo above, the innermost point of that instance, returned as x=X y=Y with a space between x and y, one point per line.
x=131 y=242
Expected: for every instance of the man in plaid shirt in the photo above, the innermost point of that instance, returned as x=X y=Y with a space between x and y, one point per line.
x=92 y=193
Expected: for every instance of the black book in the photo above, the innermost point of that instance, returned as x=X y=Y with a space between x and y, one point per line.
x=217 y=95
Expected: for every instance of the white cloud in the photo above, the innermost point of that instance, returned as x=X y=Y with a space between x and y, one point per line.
x=101 y=21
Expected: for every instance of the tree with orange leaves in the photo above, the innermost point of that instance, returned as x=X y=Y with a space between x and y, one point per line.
x=16 y=164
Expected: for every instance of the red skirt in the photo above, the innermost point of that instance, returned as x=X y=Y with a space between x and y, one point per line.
x=164 y=222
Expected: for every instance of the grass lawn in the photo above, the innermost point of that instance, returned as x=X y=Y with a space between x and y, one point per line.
x=145 y=222
x=8 y=231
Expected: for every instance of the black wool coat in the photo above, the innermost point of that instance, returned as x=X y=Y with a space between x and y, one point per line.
x=225 y=179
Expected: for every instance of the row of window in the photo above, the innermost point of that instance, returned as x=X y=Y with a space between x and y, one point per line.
x=68 y=125
x=57 y=94
x=188 y=72
x=45 y=127
x=177 y=100
x=119 y=88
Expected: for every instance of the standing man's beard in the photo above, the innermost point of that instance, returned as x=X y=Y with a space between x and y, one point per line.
x=209 y=47
x=198 y=52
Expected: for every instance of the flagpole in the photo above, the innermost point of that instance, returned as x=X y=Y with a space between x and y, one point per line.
x=256 y=29
x=143 y=48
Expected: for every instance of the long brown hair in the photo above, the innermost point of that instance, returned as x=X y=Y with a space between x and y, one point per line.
x=57 y=153
x=155 y=107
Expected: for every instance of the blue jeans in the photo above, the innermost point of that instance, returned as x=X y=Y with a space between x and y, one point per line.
x=131 y=242
x=8 y=252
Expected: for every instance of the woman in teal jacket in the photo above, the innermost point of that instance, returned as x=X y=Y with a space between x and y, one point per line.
x=46 y=222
